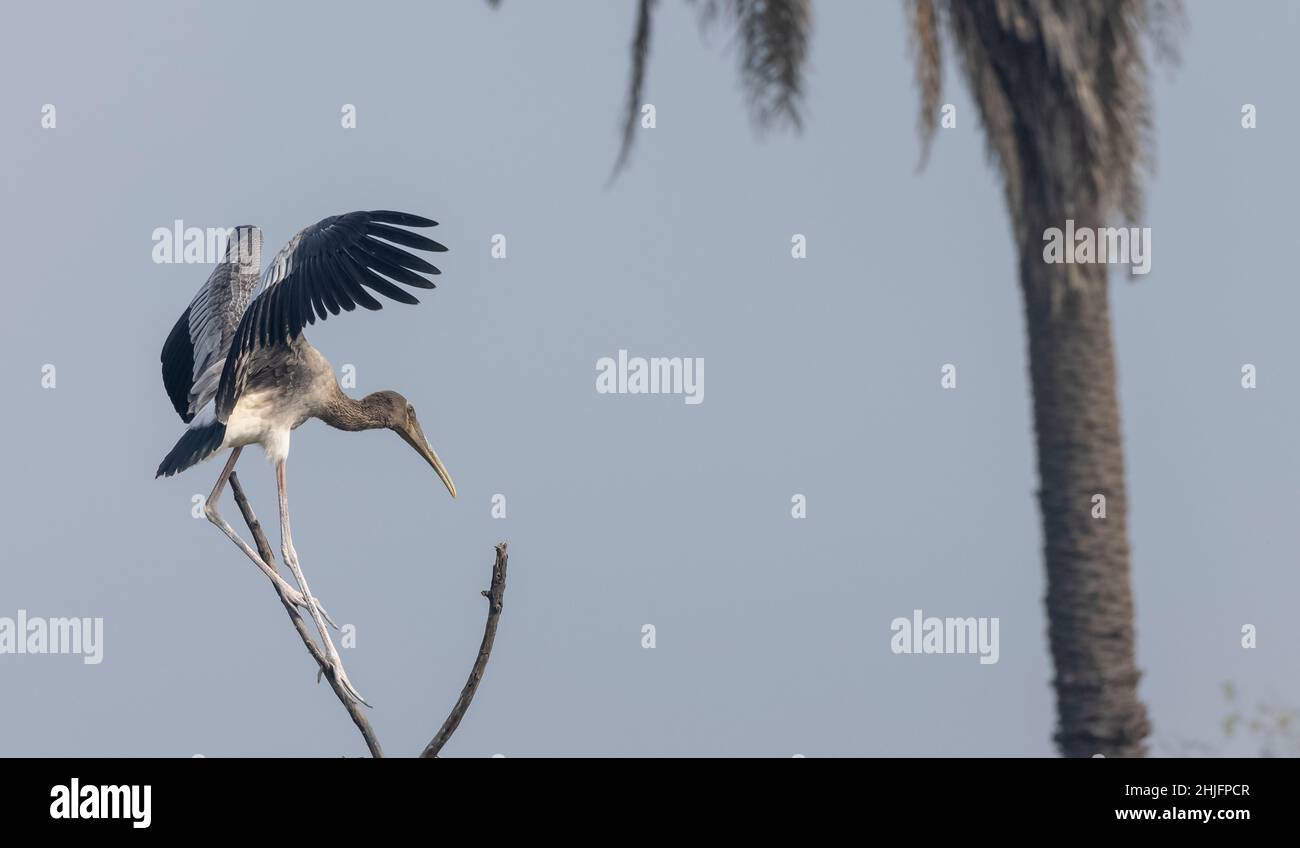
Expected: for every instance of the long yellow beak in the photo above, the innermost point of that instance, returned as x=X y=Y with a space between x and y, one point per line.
x=414 y=436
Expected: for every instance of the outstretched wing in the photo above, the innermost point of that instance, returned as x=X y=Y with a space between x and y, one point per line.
x=330 y=266
x=194 y=351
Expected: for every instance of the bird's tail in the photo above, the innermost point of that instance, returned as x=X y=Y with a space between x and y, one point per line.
x=199 y=442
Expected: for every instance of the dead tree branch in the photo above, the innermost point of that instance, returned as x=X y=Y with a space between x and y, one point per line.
x=495 y=595
x=264 y=550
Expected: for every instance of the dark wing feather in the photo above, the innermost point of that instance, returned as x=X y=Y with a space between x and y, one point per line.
x=329 y=267
x=192 y=354
x=178 y=366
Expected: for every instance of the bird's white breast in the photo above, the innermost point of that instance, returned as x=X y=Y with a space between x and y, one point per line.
x=262 y=418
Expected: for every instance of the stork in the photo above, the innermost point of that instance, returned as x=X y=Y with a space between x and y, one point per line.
x=240 y=372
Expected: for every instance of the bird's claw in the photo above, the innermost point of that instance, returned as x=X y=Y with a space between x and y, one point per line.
x=325 y=615
x=341 y=677
x=294 y=598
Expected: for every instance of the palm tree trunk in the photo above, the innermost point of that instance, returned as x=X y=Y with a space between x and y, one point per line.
x=1080 y=455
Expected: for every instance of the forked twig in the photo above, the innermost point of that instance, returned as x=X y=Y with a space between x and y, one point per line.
x=496 y=596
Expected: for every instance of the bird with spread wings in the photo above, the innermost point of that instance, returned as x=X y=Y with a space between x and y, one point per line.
x=240 y=372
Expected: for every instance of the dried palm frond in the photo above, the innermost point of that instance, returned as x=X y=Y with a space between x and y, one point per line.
x=772 y=38
x=1061 y=88
x=640 y=55
x=923 y=38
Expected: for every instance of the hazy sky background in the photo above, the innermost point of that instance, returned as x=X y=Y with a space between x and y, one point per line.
x=822 y=378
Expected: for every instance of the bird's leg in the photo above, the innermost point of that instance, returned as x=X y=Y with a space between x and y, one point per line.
x=287 y=592
x=291 y=558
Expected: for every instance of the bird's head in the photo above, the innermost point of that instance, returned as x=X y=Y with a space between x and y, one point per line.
x=396 y=413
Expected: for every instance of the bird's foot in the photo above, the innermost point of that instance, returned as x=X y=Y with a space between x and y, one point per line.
x=324 y=613
x=310 y=603
x=341 y=677
x=294 y=598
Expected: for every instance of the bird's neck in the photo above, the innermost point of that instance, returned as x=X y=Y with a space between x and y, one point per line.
x=345 y=413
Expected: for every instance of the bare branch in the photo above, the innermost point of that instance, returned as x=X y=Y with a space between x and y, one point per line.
x=495 y=596
x=264 y=550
